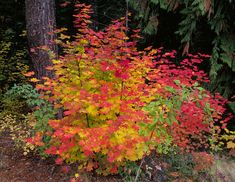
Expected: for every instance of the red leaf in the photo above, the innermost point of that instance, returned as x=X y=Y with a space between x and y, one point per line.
x=59 y=161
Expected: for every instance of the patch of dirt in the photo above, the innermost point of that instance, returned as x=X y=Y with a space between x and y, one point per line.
x=15 y=167
x=224 y=170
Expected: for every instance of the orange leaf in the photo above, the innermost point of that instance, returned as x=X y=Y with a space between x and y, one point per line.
x=45 y=78
x=175 y=174
x=50 y=68
x=31 y=73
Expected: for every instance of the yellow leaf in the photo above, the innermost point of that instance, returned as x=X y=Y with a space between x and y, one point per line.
x=34 y=80
x=76 y=175
x=230 y=145
x=92 y=110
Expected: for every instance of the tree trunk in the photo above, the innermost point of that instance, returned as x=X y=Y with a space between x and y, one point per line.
x=40 y=24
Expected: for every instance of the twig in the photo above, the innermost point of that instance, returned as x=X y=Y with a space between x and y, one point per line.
x=138 y=171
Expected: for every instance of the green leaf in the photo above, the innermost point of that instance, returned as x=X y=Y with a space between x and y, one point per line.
x=177 y=82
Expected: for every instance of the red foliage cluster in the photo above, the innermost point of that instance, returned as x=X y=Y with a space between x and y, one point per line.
x=202 y=160
x=201 y=111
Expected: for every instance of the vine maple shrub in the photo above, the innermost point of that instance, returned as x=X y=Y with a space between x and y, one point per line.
x=120 y=103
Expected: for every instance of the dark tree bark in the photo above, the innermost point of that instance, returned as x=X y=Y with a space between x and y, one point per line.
x=40 y=24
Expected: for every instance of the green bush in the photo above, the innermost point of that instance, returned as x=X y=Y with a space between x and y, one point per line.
x=17 y=100
x=23 y=113
x=24 y=99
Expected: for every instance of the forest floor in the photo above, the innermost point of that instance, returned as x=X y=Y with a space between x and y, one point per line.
x=15 y=167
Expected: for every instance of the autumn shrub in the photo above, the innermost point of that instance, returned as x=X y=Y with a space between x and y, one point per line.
x=120 y=103
x=199 y=113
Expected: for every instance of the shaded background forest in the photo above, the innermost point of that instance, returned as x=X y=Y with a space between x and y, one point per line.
x=188 y=26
